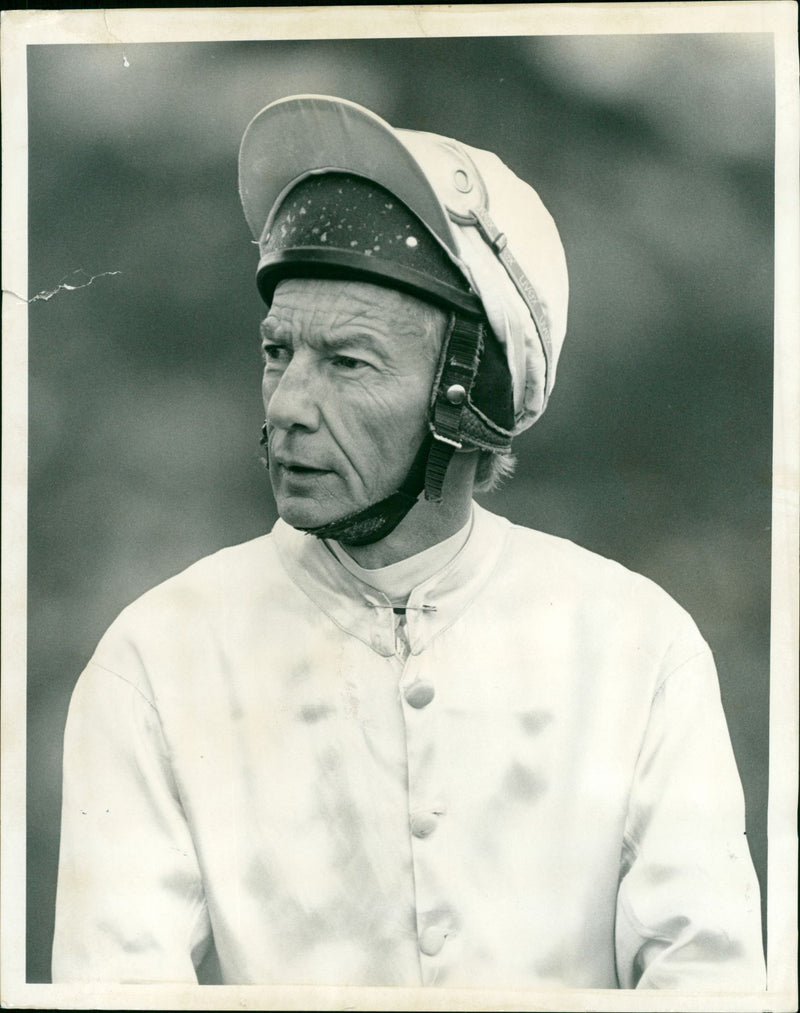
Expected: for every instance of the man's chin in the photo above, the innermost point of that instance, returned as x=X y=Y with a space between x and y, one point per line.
x=304 y=515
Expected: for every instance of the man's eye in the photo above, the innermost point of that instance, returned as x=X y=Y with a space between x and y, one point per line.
x=347 y=362
x=276 y=356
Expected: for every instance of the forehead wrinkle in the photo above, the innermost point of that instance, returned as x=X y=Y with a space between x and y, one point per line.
x=330 y=315
x=321 y=320
x=370 y=304
x=357 y=313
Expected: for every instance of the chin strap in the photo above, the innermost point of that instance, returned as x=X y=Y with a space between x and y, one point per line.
x=377 y=521
x=458 y=365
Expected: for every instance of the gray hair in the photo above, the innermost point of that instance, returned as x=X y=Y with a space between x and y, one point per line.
x=493 y=468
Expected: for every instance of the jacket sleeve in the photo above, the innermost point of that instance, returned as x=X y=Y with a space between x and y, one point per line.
x=130 y=904
x=688 y=911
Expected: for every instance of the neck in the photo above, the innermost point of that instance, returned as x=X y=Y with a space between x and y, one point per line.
x=426 y=524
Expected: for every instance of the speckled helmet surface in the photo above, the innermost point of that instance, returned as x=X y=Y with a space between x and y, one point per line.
x=492 y=226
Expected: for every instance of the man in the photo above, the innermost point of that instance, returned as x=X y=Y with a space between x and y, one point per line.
x=399 y=740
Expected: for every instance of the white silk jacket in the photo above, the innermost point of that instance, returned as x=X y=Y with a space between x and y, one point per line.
x=535 y=789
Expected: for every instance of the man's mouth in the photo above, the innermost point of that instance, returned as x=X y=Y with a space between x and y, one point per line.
x=298 y=467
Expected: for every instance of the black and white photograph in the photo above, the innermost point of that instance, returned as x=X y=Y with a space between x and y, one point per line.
x=400 y=508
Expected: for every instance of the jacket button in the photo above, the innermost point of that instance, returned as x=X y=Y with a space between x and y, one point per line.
x=432 y=940
x=422 y=824
x=419 y=694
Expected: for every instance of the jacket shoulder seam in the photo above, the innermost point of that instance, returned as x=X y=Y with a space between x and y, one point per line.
x=128 y=682
x=705 y=649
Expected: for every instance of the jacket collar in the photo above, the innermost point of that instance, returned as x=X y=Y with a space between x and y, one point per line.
x=366 y=613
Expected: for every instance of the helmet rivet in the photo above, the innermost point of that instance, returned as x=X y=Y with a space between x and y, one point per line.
x=462 y=181
x=456 y=394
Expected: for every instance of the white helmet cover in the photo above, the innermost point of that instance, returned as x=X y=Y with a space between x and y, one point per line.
x=493 y=226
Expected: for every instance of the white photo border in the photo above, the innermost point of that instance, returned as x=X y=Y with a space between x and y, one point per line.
x=21 y=29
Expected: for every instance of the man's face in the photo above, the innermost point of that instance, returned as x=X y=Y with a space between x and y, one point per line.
x=348 y=370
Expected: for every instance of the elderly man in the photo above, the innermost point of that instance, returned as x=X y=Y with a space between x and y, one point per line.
x=400 y=740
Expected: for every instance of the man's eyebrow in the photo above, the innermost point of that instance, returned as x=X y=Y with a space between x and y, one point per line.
x=267 y=329
x=354 y=339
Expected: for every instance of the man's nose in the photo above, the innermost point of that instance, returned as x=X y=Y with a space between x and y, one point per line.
x=293 y=402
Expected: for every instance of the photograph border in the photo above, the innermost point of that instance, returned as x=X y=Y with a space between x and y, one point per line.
x=119 y=27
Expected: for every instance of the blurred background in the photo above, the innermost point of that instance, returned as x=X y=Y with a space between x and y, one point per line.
x=654 y=155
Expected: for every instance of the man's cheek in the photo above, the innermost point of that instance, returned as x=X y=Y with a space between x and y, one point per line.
x=269 y=384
